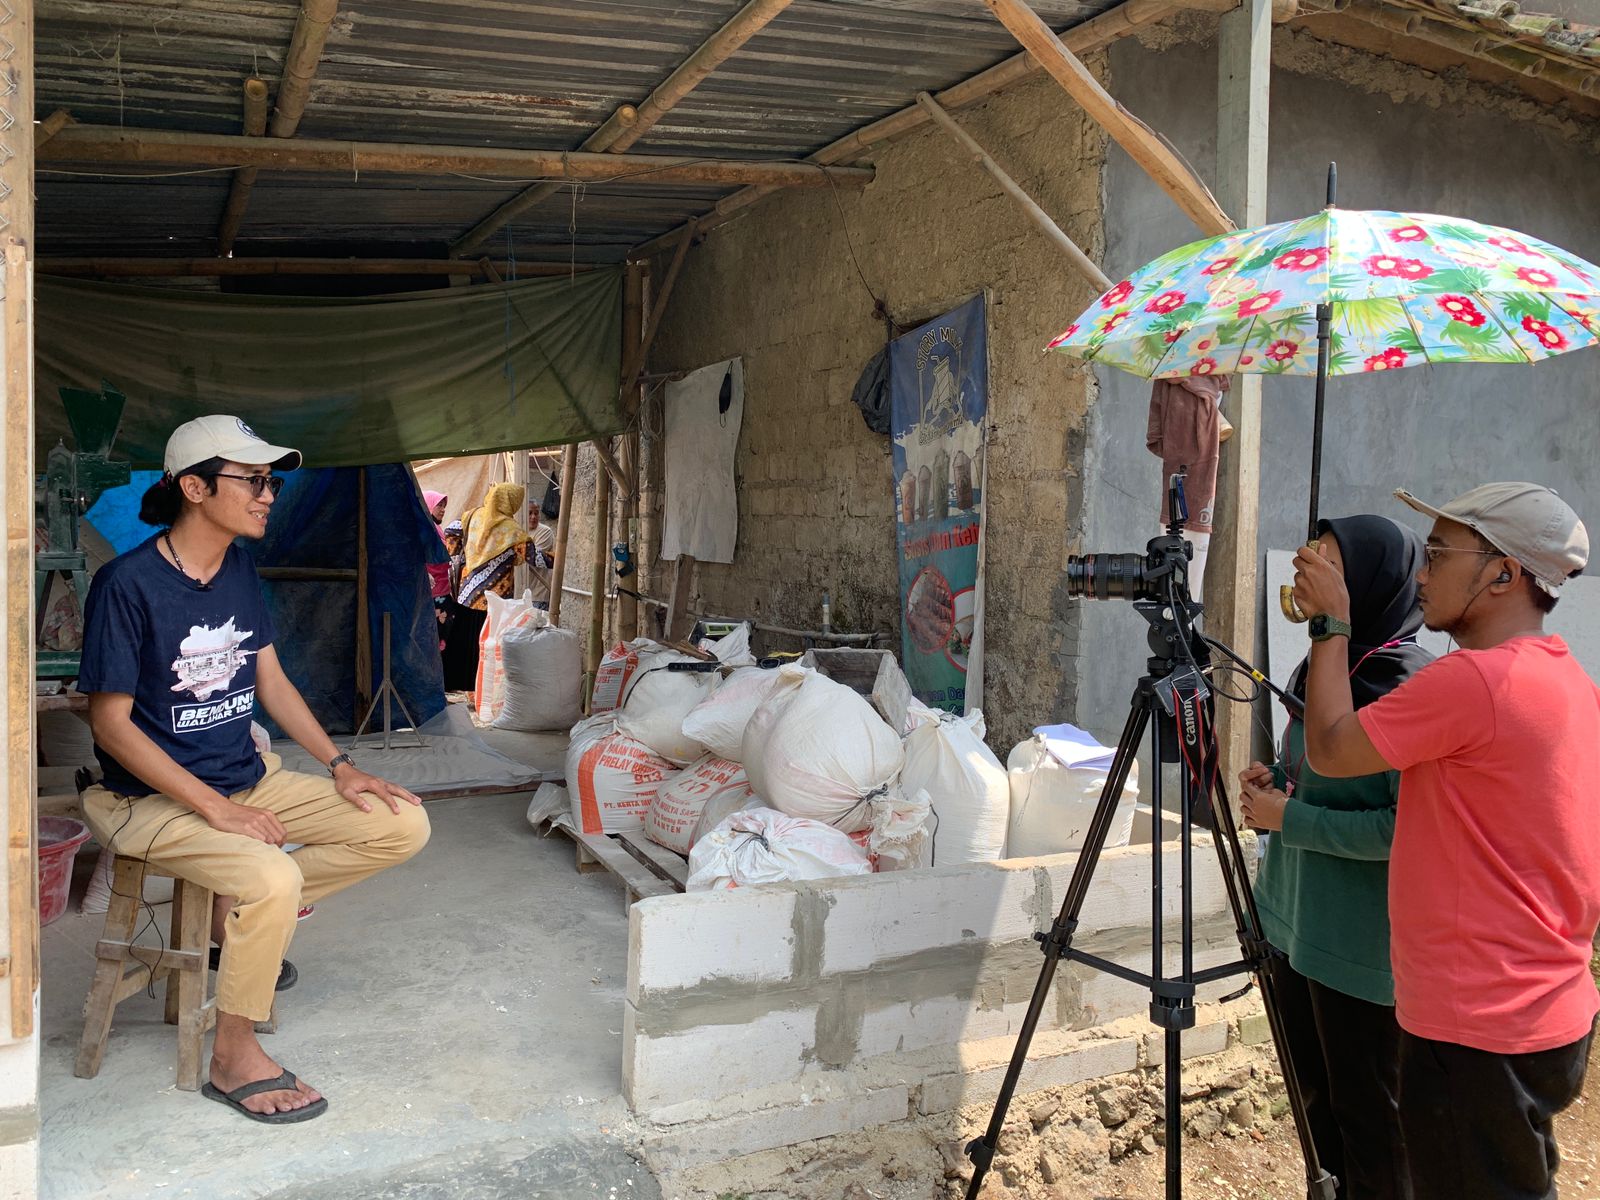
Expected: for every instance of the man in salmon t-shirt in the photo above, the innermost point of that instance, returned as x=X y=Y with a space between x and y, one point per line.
x=1494 y=879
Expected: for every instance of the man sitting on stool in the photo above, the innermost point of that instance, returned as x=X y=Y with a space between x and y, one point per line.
x=177 y=650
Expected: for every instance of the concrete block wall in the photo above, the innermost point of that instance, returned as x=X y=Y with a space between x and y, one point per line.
x=767 y=1016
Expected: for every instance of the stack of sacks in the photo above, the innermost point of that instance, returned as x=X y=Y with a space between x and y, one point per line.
x=764 y=846
x=946 y=757
x=1056 y=778
x=488 y=694
x=611 y=777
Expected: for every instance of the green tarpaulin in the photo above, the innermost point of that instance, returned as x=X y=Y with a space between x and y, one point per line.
x=350 y=382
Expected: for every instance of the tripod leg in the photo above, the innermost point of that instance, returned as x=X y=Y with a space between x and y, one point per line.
x=1058 y=941
x=1320 y=1185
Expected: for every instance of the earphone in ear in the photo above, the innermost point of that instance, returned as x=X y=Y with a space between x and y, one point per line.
x=1503 y=577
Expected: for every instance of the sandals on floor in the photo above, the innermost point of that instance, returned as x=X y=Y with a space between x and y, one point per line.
x=285 y=1082
x=288 y=975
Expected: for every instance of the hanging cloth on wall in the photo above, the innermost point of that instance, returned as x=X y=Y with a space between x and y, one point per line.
x=1184 y=433
x=704 y=412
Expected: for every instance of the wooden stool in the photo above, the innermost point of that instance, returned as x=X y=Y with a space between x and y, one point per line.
x=183 y=964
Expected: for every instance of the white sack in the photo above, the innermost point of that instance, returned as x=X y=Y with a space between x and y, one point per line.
x=548 y=803
x=761 y=845
x=971 y=796
x=679 y=805
x=656 y=700
x=611 y=777
x=817 y=749
x=718 y=722
x=616 y=668
x=544 y=678
x=1051 y=804
x=719 y=808
x=504 y=616
x=902 y=832
x=733 y=650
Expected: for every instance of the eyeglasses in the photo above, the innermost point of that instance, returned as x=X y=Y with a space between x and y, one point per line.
x=1432 y=553
x=258 y=483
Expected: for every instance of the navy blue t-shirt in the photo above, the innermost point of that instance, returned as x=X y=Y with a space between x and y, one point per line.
x=186 y=654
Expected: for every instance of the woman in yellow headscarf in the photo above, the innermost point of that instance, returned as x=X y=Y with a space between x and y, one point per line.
x=489 y=545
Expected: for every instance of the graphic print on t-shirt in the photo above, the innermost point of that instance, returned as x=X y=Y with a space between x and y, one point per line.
x=208 y=660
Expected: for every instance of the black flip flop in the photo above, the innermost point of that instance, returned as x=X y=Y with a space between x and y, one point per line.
x=288 y=975
x=283 y=1083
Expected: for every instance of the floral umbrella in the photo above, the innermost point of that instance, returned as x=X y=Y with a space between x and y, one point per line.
x=1404 y=289
x=1342 y=292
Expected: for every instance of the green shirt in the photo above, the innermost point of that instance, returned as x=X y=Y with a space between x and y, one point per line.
x=1323 y=889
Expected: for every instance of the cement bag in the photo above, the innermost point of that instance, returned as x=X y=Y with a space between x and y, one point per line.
x=718 y=722
x=544 y=678
x=816 y=749
x=901 y=834
x=761 y=845
x=618 y=666
x=719 y=808
x=656 y=701
x=678 y=806
x=971 y=796
x=1051 y=803
x=504 y=616
x=611 y=777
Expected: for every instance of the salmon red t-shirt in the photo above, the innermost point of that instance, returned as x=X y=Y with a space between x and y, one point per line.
x=1494 y=879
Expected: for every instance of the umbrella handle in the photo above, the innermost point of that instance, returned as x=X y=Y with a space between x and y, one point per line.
x=1286 y=600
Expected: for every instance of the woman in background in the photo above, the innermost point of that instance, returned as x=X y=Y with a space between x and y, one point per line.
x=1323 y=885
x=484 y=554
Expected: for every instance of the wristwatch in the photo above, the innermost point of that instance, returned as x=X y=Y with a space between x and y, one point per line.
x=1323 y=627
x=340 y=761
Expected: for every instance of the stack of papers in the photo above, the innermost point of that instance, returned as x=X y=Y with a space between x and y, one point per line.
x=1072 y=747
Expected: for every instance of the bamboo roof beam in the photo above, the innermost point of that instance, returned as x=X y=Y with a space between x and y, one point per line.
x=300 y=64
x=629 y=123
x=160 y=147
x=255 y=125
x=1171 y=174
x=50 y=126
x=151 y=268
x=1085 y=265
x=1084 y=38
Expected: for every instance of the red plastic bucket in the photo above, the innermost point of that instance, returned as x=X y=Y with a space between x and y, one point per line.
x=59 y=839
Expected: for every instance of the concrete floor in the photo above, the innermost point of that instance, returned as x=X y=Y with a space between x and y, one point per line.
x=463 y=1014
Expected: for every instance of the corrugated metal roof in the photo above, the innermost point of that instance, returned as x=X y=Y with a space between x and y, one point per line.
x=529 y=73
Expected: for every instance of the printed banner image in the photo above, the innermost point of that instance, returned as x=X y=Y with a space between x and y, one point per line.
x=939 y=401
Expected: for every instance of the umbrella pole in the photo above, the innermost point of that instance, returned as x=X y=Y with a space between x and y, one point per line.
x=1324 y=340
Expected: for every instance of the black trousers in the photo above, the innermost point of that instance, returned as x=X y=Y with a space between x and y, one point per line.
x=1344 y=1052
x=461 y=647
x=1478 y=1125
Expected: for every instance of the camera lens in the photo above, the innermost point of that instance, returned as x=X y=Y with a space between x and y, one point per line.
x=1106 y=577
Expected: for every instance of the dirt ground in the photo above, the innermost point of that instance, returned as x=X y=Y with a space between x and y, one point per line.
x=1091 y=1142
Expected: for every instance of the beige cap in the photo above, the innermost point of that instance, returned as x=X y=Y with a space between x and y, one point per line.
x=223 y=437
x=1524 y=521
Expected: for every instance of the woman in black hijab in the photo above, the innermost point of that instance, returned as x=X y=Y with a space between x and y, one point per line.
x=1323 y=886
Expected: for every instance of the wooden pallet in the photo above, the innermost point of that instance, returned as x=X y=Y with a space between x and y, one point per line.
x=644 y=868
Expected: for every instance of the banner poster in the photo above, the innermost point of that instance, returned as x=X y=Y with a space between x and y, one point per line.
x=939 y=400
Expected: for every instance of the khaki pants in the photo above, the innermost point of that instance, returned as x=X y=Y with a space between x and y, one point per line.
x=340 y=846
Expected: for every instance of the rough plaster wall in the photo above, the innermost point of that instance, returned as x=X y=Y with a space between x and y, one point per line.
x=1404 y=139
x=778 y=286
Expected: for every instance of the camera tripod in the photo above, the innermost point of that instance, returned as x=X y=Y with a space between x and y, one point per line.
x=1174 y=704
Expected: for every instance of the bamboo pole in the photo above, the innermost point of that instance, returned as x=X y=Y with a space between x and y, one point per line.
x=300 y=64
x=16 y=641
x=1171 y=174
x=50 y=126
x=1093 y=34
x=1086 y=266
x=634 y=356
x=201 y=267
x=632 y=332
x=174 y=148
x=558 y=573
x=629 y=123
x=597 y=583
x=255 y=125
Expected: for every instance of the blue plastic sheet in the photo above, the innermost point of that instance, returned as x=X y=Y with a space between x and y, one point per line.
x=314 y=524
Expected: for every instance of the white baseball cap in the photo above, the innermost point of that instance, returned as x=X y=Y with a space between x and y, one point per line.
x=226 y=437
x=1524 y=521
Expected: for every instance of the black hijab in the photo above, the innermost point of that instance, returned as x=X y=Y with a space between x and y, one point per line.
x=1381 y=561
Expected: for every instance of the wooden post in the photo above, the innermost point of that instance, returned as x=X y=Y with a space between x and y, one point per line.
x=1085 y=265
x=1232 y=578
x=1158 y=159
x=677 y=621
x=597 y=580
x=520 y=475
x=16 y=452
x=629 y=123
x=632 y=332
x=363 y=689
x=558 y=573
x=633 y=360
